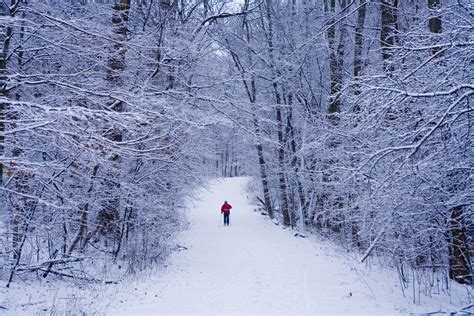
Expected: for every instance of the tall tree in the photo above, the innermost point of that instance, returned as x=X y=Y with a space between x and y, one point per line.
x=358 y=44
x=109 y=216
x=250 y=86
x=460 y=268
x=277 y=94
x=7 y=29
x=388 y=31
x=434 y=23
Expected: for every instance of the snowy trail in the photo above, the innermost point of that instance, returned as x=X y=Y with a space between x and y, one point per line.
x=251 y=267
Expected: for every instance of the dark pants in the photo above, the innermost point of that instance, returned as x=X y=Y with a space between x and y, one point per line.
x=226 y=218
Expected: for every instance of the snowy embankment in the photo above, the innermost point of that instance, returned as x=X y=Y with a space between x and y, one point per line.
x=251 y=267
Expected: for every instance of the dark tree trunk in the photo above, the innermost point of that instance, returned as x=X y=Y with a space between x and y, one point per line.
x=264 y=179
x=329 y=202
x=435 y=23
x=83 y=223
x=3 y=84
x=336 y=61
x=251 y=90
x=108 y=216
x=281 y=160
x=389 y=30
x=263 y=170
x=295 y=162
x=359 y=43
x=335 y=84
x=460 y=269
x=279 y=116
x=20 y=176
x=116 y=60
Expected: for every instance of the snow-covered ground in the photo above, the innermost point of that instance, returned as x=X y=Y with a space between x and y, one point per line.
x=254 y=266
x=250 y=267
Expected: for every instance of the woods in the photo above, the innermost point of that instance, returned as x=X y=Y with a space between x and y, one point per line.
x=362 y=124
x=96 y=137
x=353 y=117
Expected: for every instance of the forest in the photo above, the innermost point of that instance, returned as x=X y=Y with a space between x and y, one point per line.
x=353 y=118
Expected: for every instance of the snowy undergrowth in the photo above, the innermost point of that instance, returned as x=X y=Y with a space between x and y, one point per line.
x=55 y=296
x=421 y=290
x=98 y=279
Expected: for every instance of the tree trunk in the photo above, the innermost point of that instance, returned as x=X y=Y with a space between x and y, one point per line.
x=83 y=223
x=434 y=23
x=263 y=172
x=279 y=116
x=3 y=94
x=20 y=176
x=251 y=90
x=116 y=60
x=295 y=163
x=281 y=174
x=460 y=269
x=335 y=81
x=328 y=200
x=3 y=84
x=359 y=43
x=389 y=30
x=109 y=216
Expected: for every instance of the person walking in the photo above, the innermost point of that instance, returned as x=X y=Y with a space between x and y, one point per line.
x=225 y=209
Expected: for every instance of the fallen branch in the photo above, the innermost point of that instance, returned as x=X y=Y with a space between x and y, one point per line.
x=261 y=201
x=372 y=246
x=466 y=309
x=300 y=235
x=179 y=248
x=462 y=310
x=78 y=278
x=31 y=304
x=50 y=264
x=434 y=313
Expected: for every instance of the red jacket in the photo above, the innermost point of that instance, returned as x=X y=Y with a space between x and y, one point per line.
x=226 y=208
